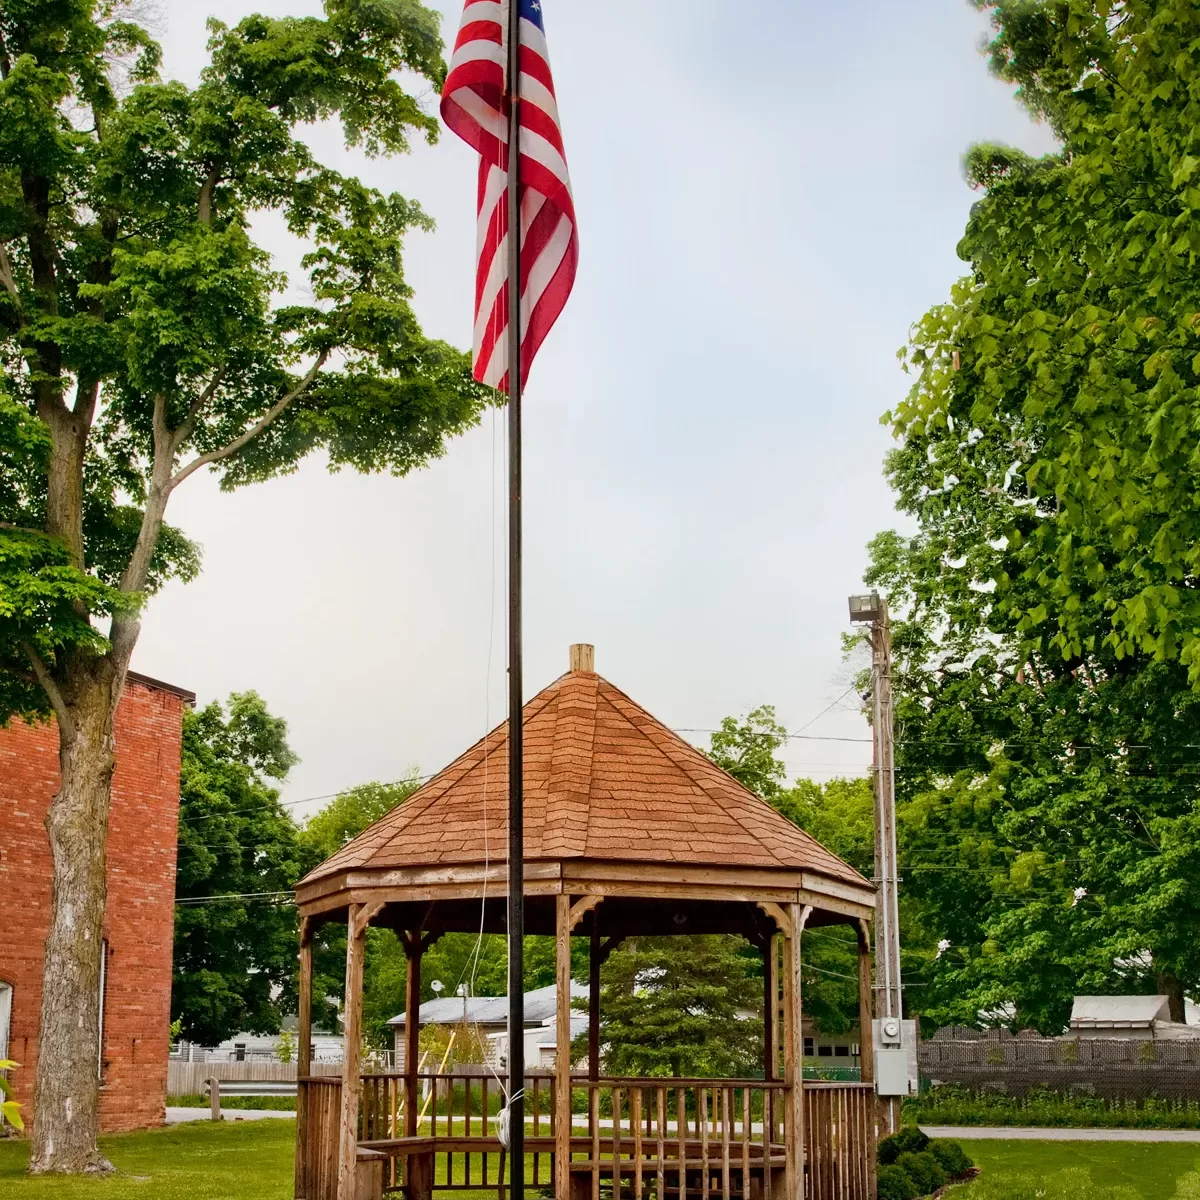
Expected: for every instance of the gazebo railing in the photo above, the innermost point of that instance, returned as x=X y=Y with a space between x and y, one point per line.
x=698 y=1137
x=691 y=1139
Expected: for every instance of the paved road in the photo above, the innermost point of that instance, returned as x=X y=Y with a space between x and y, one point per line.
x=965 y=1133
x=176 y=1116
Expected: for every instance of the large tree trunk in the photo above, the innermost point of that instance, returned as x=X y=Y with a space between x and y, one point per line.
x=66 y=1097
x=1171 y=986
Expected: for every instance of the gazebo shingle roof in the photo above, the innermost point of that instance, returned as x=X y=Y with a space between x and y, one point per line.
x=603 y=780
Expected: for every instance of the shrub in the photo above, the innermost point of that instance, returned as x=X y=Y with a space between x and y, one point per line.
x=950 y=1104
x=952 y=1158
x=894 y=1184
x=910 y=1138
x=923 y=1170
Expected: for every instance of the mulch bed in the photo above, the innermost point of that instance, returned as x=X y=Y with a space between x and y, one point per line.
x=954 y=1180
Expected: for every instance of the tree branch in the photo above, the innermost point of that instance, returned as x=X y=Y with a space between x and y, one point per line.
x=21 y=528
x=188 y=424
x=204 y=203
x=61 y=711
x=123 y=633
x=250 y=434
x=133 y=579
x=86 y=395
x=10 y=286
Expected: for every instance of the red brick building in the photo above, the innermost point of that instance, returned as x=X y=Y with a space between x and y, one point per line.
x=139 y=919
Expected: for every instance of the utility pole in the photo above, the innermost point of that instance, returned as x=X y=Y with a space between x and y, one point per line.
x=888 y=1033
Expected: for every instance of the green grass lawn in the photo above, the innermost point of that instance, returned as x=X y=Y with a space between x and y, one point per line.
x=243 y=1103
x=1118 y=1169
x=252 y=1160
x=246 y=1160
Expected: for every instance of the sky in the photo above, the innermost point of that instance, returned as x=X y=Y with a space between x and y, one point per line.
x=768 y=195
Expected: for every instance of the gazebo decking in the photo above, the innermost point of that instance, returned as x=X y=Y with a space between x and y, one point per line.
x=628 y=831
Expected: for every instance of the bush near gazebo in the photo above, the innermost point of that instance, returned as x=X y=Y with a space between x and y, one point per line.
x=913 y=1165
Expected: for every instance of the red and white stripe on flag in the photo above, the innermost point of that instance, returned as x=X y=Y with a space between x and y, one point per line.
x=473 y=106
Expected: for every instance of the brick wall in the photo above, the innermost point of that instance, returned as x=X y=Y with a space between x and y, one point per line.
x=141 y=894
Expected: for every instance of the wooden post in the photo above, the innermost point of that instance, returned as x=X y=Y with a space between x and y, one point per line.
x=771 y=1007
x=352 y=1026
x=866 y=1048
x=789 y=1072
x=214 y=1097
x=794 y=1043
x=303 y=1055
x=562 y=1049
x=412 y=1031
x=594 y=1000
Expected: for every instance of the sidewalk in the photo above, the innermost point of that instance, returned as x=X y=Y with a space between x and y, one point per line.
x=966 y=1133
x=177 y=1116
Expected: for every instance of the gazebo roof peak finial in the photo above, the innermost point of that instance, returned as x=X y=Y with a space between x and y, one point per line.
x=583 y=658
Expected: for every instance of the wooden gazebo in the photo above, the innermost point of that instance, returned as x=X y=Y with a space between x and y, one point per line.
x=629 y=830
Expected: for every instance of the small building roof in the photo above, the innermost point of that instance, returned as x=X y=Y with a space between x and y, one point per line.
x=1118 y=1012
x=489 y=1010
x=604 y=780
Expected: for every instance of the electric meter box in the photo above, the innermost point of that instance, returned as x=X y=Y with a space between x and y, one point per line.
x=895 y=1047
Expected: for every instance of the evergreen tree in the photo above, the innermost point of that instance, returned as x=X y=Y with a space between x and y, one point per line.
x=681 y=1005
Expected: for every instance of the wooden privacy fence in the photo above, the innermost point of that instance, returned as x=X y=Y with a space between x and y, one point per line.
x=640 y=1138
x=187 y=1078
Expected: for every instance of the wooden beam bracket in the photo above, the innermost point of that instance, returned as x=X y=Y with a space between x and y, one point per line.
x=582 y=907
x=782 y=921
x=608 y=946
x=365 y=915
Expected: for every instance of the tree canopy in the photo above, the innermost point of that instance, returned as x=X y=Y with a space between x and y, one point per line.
x=1066 y=362
x=145 y=335
x=1045 y=615
x=234 y=966
x=840 y=815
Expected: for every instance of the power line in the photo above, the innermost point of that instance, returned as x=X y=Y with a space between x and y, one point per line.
x=303 y=800
x=225 y=897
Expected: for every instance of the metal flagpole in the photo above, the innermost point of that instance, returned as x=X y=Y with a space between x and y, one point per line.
x=516 y=865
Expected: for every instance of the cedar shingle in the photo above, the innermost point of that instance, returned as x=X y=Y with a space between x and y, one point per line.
x=603 y=779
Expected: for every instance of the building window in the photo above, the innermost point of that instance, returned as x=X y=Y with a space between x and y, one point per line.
x=6 y=996
x=103 y=992
x=841 y=1051
x=825 y=1051
x=808 y=1047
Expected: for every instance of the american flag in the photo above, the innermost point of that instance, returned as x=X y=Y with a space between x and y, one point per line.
x=473 y=106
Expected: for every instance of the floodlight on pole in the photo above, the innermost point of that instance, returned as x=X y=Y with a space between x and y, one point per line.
x=865 y=609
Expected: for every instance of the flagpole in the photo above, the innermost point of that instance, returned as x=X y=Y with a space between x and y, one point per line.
x=516 y=823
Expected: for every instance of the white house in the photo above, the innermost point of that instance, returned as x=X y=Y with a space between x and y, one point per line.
x=488 y=1016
